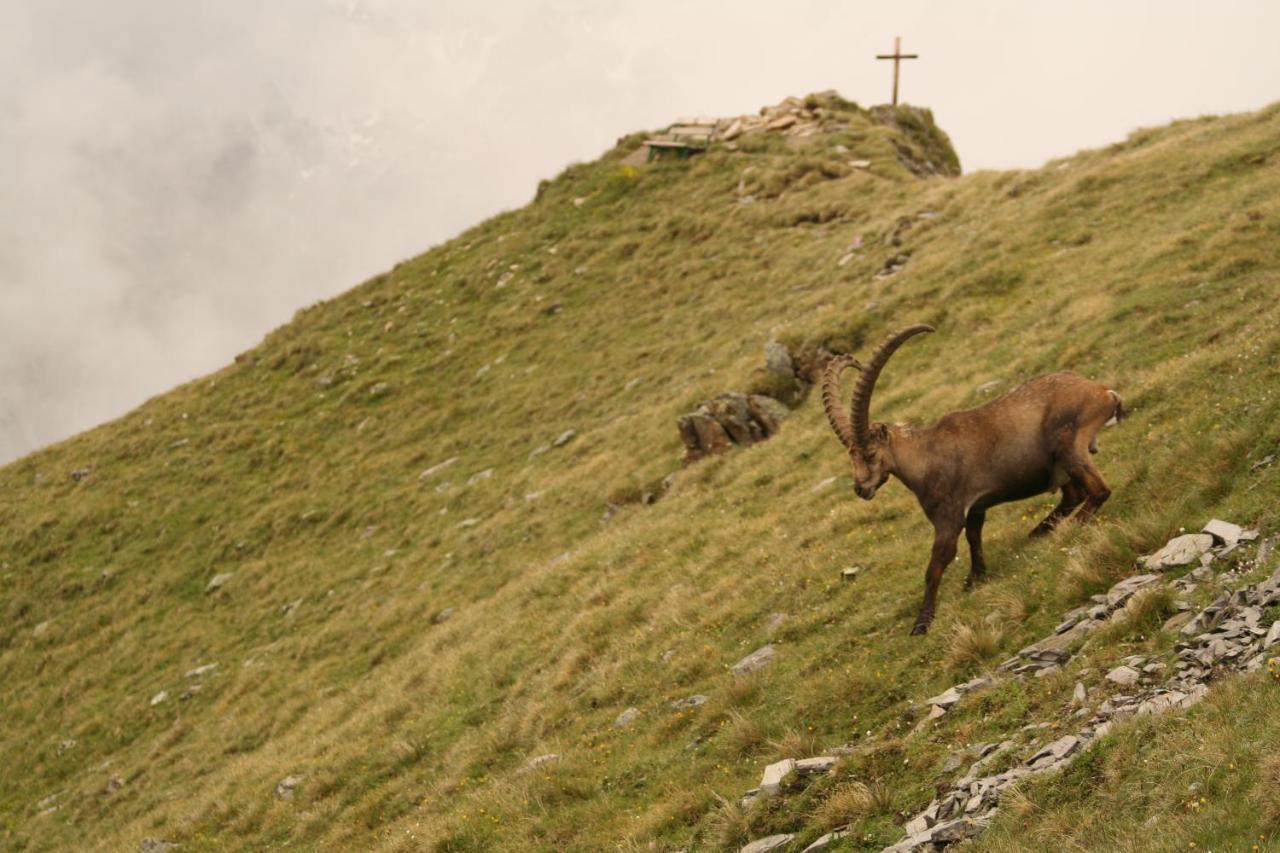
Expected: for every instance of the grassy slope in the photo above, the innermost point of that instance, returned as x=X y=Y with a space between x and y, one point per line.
x=1152 y=265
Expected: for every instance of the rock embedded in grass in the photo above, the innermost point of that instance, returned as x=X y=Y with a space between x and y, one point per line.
x=1124 y=676
x=626 y=718
x=694 y=701
x=437 y=468
x=815 y=766
x=771 y=843
x=286 y=787
x=156 y=845
x=201 y=671
x=218 y=581
x=755 y=661
x=539 y=761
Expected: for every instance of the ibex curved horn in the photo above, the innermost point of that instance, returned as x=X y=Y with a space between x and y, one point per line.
x=860 y=409
x=833 y=397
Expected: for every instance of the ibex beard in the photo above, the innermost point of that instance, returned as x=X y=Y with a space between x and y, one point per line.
x=1038 y=438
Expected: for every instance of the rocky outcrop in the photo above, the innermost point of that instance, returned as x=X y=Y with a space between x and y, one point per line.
x=728 y=421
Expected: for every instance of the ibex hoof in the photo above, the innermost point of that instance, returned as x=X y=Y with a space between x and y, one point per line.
x=1040 y=530
x=920 y=628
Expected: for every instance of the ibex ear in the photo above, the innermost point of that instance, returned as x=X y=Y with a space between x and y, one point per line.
x=879 y=432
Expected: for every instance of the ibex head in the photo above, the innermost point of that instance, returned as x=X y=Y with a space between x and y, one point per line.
x=867 y=443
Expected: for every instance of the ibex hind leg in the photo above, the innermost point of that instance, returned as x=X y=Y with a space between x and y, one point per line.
x=973 y=532
x=1073 y=494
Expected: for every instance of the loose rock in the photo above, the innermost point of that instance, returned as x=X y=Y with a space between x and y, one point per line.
x=1124 y=676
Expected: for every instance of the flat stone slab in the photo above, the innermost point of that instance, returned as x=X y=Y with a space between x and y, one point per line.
x=815 y=766
x=690 y=702
x=945 y=699
x=626 y=718
x=1121 y=592
x=765 y=845
x=1230 y=534
x=775 y=774
x=1179 y=551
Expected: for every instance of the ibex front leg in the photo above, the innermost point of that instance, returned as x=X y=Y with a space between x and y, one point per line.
x=945 y=534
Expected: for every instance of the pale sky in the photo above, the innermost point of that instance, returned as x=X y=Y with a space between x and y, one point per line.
x=179 y=176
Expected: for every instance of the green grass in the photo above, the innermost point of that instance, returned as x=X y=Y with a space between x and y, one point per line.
x=1152 y=265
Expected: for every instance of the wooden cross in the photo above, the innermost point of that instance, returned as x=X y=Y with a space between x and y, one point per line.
x=897 y=56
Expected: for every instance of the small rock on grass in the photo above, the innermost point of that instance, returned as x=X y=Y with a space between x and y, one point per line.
x=218 y=582
x=156 y=845
x=771 y=843
x=1123 y=675
x=286 y=786
x=201 y=671
x=539 y=761
x=626 y=718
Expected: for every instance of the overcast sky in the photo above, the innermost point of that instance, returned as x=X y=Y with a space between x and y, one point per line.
x=177 y=177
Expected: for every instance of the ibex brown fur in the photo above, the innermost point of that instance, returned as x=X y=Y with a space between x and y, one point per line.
x=1035 y=439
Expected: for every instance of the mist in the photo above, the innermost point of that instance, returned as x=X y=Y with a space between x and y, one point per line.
x=179 y=178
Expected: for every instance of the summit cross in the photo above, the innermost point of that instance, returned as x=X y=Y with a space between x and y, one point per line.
x=897 y=56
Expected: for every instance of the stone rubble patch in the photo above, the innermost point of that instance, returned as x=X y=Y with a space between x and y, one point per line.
x=1226 y=635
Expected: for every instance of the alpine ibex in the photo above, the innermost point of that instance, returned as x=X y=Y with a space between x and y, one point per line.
x=1035 y=439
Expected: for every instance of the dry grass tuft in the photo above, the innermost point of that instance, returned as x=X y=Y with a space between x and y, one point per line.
x=729 y=826
x=972 y=642
x=852 y=801
x=743 y=736
x=742 y=689
x=796 y=744
x=1017 y=803
x=1010 y=605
